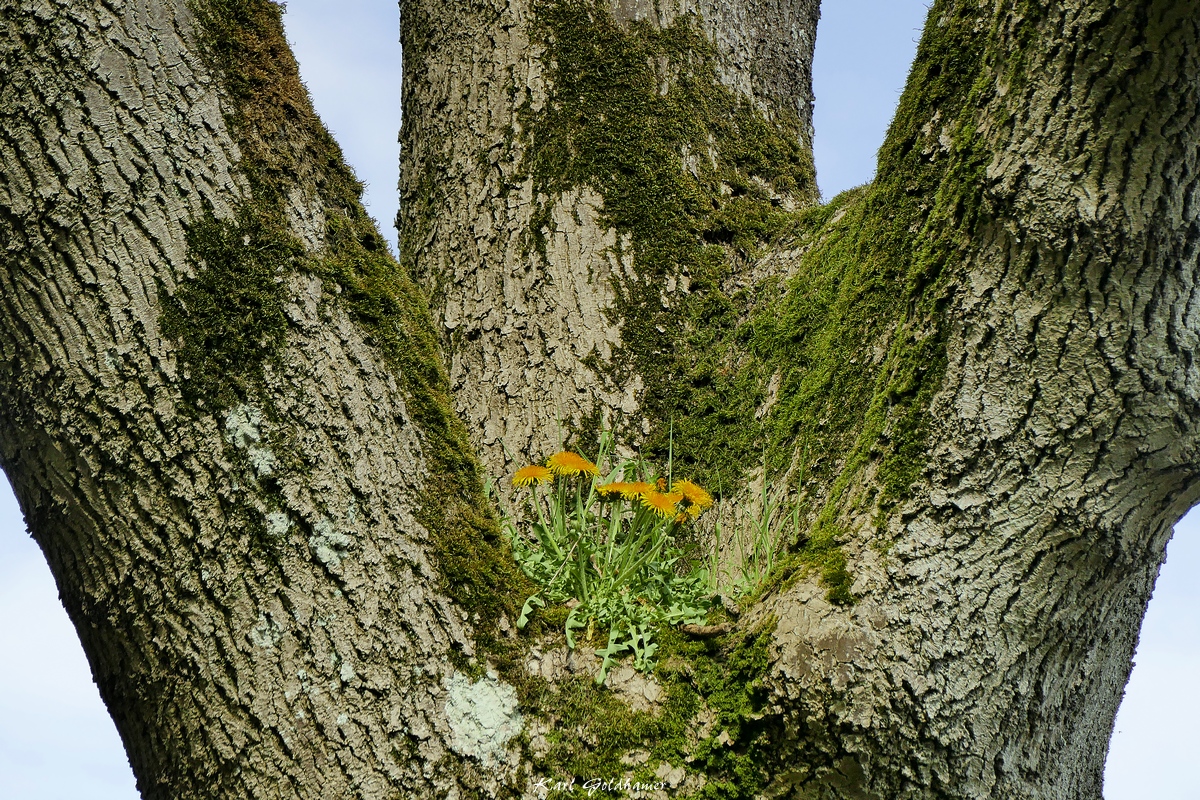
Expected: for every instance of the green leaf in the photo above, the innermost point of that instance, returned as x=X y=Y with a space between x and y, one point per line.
x=527 y=609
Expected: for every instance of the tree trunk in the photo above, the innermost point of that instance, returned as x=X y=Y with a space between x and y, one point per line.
x=227 y=423
x=225 y=420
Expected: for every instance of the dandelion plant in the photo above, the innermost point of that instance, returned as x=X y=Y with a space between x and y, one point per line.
x=608 y=546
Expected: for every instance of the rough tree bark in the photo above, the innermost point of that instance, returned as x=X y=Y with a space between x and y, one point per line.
x=225 y=418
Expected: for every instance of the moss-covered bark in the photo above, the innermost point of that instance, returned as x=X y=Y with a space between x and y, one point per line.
x=230 y=318
x=697 y=180
x=624 y=167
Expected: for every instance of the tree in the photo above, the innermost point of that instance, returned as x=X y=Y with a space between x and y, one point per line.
x=228 y=424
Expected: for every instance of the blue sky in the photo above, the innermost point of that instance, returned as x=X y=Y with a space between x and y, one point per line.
x=56 y=740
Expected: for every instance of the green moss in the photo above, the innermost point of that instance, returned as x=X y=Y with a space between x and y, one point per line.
x=859 y=337
x=229 y=319
x=731 y=687
x=593 y=729
x=858 y=358
x=230 y=326
x=820 y=552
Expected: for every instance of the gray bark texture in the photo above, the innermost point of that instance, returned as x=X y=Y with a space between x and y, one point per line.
x=224 y=412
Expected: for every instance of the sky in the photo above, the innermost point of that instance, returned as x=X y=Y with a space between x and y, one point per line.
x=56 y=740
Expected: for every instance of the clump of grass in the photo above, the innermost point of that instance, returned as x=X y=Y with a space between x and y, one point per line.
x=753 y=535
x=607 y=545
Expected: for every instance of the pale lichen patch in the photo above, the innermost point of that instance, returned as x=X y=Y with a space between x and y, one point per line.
x=278 y=523
x=267 y=633
x=243 y=426
x=483 y=717
x=262 y=461
x=329 y=545
x=243 y=430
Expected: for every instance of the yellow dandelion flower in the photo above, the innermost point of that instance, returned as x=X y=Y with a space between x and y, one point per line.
x=635 y=489
x=659 y=503
x=694 y=494
x=528 y=476
x=682 y=517
x=568 y=463
x=608 y=489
